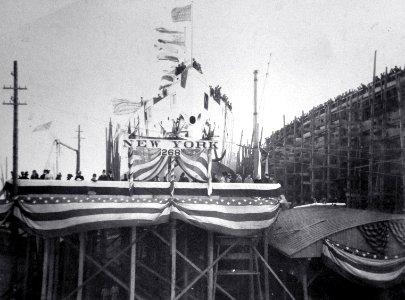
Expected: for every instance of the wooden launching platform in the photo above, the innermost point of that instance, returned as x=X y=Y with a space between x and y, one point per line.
x=88 y=240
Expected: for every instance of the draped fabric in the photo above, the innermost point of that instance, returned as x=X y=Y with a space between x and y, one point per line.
x=357 y=265
x=397 y=229
x=145 y=164
x=376 y=235
x=5 y=206
x=56 y=208
x=194 y=164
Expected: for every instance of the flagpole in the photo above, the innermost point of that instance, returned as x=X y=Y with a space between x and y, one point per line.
x=191 y=59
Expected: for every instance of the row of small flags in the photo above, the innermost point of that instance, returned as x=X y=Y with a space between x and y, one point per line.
x=171 y=46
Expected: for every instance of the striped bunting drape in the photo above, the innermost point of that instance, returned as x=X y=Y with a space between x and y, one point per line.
x=376 y=235
x=60 y=214
x=145 y=164
x=397 y=228
x=5 y=206
x=194 y=164
x=358 y=265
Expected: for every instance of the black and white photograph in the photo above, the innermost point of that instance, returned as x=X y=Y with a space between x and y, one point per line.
x=202 y=150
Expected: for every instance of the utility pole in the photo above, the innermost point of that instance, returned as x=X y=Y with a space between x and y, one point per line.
x=15 y=103
x=79 y=138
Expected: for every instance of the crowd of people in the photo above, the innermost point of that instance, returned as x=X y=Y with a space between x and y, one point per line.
x=361 y=90
x=218 y=96
x=47 y=175
x=224 y=178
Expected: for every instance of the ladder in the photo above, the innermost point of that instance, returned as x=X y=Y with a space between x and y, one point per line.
x=236 y=265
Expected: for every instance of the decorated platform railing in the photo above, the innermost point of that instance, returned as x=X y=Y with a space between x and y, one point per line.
x=55 y=208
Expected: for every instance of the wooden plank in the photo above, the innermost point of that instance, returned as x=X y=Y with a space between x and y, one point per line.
x=51 y=267
x=27 y=267
x=210 y=280
x=132 y=282
x=173 y=259
x=56 y=276
x=45 y=269
x=81 y=266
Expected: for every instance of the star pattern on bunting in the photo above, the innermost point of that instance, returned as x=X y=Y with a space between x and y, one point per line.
x=96 y=199
x=361 y=253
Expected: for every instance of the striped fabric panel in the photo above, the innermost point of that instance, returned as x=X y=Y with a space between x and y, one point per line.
x=361 y=267
x=376 y=235
x=397 y=228
x=145 y=164
x=5 y=206
x=239 y=217
x=53 y=215
x=195 y=166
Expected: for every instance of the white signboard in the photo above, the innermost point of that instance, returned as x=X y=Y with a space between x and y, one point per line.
x=171 y=147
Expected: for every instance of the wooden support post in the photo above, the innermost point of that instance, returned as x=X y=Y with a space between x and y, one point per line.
x=66 y=264
x=210 y=280
x=81 y=266
x=312 y=163
x=251 y=278
x=328 y=150
x=220 y=288
x=371 y=203
x=384 y=134
x=56 y=273
x=266 y=272
x=27 y=267
x=301 y=161
x=132 y=284
x=370 y=193
x=45 y=269
x=349 y=157
x=272 y=272
x=400 y=205
x=286 y=190
x=173 y=256
x=259 y=284
x=51 y=266
x=294 y=194
x=203 y=273
x=304 y=280
x=185 y=251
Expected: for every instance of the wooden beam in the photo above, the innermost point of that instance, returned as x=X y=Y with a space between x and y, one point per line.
x=45 y=269
x=402 y=141
x=132 y=283
x=266 y=272
x=220 y=288
x=173 y=241
x=349 y=145
x=27 y=267
x=104 y=267
x=56 y=275
x=207 y=269
x=81 y=266
x=51 y=267
x=210 y=280
x=272 y=272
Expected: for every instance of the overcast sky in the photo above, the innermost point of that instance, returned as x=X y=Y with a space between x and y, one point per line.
x=75 y=56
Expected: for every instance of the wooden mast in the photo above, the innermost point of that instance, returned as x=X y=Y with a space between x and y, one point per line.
x=255 y=140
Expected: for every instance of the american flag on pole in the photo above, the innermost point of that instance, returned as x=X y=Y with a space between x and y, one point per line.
x=181 y=14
